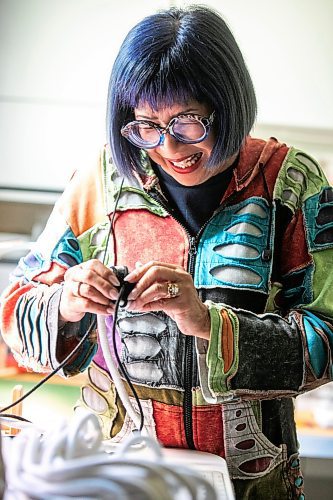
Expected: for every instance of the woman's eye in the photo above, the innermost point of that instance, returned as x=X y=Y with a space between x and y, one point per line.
x=144 y=126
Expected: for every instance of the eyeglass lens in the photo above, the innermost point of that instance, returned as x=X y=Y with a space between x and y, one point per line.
x=183 y=128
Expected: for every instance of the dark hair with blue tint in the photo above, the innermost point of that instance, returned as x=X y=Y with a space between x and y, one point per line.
x=173 y=57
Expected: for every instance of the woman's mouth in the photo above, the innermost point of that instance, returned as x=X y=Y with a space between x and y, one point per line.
x=186 y=163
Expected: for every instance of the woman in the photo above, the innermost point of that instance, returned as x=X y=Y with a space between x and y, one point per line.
x=228 y=241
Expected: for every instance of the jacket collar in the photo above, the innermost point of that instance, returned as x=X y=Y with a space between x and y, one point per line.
x=254 y=155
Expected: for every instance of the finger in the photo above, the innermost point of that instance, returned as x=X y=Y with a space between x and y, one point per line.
x=75 y=287
x=83 y=305
x=86 y=291
x=163 y=295
x=102 y=270
x=90 y=268
x=175 y=305
x=161 y=290
x=95 y=308
x=153 y=293
x=95 y=278
x=73 y=307
x=99 y=290
x=156 y=305
x=159 y=274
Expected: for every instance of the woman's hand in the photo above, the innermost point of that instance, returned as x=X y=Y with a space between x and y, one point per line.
x=88 y=287
x=169 y=288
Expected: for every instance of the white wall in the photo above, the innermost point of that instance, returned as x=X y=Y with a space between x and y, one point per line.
x=55 y=60
x=288 y=46
x=56 y=55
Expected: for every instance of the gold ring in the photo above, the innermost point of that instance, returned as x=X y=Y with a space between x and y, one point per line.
x=173 y=290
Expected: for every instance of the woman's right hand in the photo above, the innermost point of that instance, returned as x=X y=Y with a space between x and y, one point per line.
x=88 y=287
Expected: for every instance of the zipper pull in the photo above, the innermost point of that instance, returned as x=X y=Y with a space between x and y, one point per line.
x=193 y=246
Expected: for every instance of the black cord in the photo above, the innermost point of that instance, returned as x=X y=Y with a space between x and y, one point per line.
x=115 y=316
x=111 y=227
x=15 y=417
x=85 y=336
x=74 y=351
x=54 y=371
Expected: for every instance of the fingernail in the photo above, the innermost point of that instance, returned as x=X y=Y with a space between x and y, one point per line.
x=133 y=295
x=130 y=275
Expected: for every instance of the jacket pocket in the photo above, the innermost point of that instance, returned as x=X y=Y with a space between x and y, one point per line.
x=249 y=453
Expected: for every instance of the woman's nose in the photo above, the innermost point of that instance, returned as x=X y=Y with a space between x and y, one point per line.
x=169 y=143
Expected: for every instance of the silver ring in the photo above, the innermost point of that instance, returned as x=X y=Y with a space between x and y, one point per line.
x=76 y=291
x=173 y=290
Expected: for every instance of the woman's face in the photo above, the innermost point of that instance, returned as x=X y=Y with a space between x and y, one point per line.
x=186 y=163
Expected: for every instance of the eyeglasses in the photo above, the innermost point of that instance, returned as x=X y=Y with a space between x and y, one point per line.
x=186 y=128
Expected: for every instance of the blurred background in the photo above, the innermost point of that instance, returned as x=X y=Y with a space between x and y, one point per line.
x=55 y=60
x=56 y=56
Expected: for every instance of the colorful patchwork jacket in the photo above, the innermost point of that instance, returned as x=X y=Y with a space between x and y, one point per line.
x=263 y=264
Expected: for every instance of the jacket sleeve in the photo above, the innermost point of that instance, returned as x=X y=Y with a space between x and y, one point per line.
x=286 y=350
x=30 y=304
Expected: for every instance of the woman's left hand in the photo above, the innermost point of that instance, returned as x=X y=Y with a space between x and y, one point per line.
x=169 y=288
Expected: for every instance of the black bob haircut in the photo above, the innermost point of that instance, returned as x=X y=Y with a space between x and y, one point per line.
x=175 y=56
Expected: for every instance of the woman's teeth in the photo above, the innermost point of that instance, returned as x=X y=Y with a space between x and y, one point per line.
x=188 y=162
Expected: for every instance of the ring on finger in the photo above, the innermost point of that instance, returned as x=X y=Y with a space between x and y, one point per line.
x=172 y=290
x=76 y=289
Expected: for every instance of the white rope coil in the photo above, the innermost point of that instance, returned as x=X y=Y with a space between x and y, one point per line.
x=70 y=462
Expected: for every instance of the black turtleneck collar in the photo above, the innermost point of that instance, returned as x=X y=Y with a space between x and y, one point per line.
x=194 y=205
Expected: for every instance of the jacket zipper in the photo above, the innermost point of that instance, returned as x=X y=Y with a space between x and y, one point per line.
x=188 y=372
x=189 y=343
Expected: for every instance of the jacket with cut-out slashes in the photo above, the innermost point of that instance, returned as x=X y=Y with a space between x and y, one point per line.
x=263 y=264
